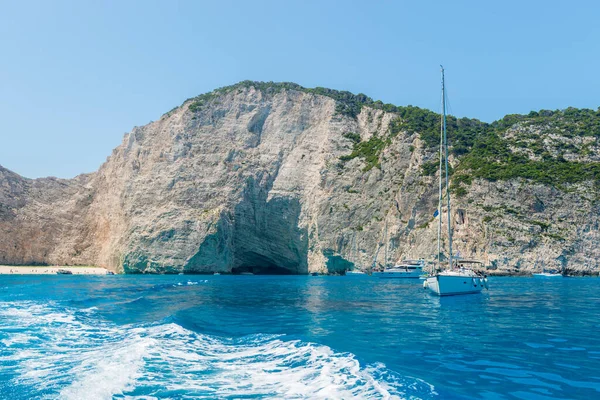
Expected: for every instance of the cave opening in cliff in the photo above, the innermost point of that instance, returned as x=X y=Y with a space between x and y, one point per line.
x=258 y=264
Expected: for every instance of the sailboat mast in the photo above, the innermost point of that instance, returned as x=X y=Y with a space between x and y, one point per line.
x=446 y=161
x=386 y=244
x=439 y=237
x=354 y=257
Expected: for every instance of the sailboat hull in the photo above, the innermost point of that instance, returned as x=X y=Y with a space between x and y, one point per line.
x=452 y=285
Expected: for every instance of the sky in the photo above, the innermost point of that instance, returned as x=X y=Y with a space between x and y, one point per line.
x=75 y=76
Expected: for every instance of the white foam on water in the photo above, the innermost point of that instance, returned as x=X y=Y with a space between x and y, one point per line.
x=108 y=371
x=73 y=358
x=265 y=366
x=69 y=358
x=17 y=338
x=189 y=283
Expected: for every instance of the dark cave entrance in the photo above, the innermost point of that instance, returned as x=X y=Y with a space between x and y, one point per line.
x=260 y=236
x=259 y=265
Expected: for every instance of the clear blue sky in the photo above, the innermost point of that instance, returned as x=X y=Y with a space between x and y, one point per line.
x=75 y=76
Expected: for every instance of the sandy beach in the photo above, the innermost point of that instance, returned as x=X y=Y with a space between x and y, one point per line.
x=47 y=270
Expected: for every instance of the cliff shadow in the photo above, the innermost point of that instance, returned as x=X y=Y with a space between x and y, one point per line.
x=215 y=253
x=266 y=235
x=259 y=236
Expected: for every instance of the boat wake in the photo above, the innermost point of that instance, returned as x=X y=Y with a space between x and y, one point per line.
x=48 y=351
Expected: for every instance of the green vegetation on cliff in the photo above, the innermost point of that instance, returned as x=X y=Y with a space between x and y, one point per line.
x=493 y=159
x=536 y=149
x=369 y=150
x=461 y=132
x=570 y=122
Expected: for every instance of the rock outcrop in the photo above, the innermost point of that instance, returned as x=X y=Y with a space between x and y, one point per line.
x=279 y=179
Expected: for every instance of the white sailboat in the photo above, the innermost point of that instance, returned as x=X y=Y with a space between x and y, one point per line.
x=457 y=278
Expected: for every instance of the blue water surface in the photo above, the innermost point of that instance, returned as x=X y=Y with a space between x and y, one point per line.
x=192 y=336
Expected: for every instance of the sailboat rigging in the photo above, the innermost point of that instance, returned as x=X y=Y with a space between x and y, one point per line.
x=457 y=278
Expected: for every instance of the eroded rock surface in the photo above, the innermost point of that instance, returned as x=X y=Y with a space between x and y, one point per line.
x=251 y=180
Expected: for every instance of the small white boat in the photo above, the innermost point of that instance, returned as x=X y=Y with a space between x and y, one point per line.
x=409 y=269
x=355 y=272
x=547 y=275
x=217 y=273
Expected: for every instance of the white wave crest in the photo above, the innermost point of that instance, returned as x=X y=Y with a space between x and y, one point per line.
x=72 y=355
x=190 y=283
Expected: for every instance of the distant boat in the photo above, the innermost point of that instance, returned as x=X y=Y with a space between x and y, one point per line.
x=409 y=269
x=547 y=275
x=457 y=278
x=64 y=272
x=109 y=273
x=217 y=273
x=355 y=272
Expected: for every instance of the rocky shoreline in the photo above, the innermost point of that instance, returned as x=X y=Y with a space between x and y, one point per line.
x=86 y=270
x=569 y=275
x=51 y=270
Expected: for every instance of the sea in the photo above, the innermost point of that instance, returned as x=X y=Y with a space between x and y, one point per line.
x=296 y=337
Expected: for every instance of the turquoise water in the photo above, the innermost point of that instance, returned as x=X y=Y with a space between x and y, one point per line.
x=179 y=337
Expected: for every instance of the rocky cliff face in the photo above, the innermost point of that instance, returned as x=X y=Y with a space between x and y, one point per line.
x=276 y=178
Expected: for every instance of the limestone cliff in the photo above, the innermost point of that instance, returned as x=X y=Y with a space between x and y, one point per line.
x=278 y=178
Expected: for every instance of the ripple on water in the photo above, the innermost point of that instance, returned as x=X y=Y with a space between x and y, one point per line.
x=539 y=345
